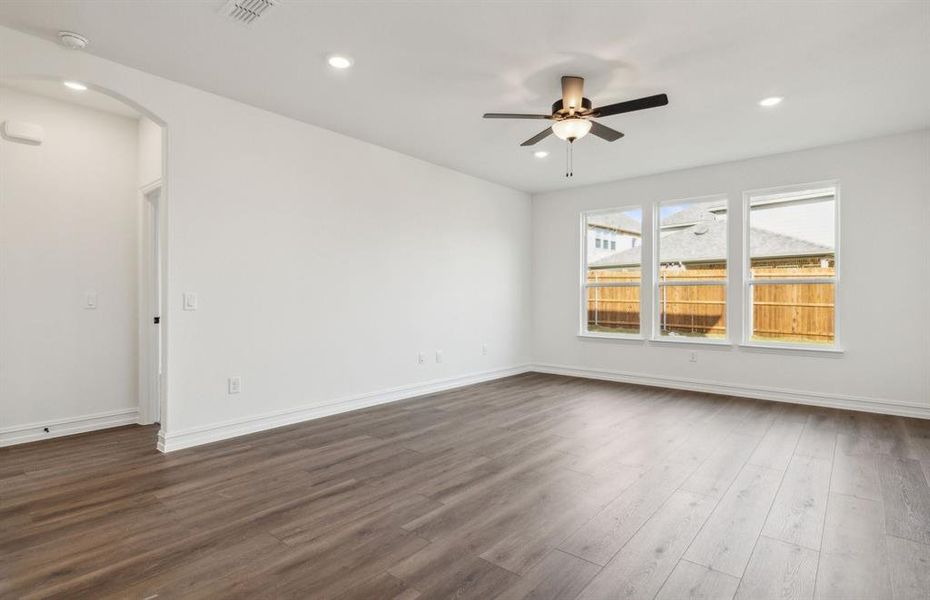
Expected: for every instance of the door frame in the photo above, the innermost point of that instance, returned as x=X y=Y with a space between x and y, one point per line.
x=152 y=303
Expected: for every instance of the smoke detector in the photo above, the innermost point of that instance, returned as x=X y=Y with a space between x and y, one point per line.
x=246 y=12
x=72 y=40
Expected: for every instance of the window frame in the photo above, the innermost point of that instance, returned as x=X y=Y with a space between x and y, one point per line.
x=583 y=279
x=748 y=281
x=656 y=335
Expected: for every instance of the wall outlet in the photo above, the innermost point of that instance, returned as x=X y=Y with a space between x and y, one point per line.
x=421 y=358
x=235 y=385
x=190 y=301
x=439 y=356
x=692 y=357
x=484 y=349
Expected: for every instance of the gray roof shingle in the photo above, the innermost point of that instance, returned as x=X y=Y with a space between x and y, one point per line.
x=693 y=214
x=615 y=221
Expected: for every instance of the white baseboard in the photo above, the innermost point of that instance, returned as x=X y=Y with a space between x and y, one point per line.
x=21 y=434
x=842 y=401
x=32 y=432
x=212 y=433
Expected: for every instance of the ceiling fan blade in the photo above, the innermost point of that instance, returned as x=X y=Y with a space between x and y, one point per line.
x=604 y=132
x=631 y=105
x=514 y=116
x=572 y=92
x=538 y=137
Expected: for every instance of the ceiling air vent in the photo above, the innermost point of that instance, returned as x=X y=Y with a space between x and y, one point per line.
x=246 y=12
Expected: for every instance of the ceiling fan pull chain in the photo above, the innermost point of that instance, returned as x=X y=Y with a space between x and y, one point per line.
x=570 y=160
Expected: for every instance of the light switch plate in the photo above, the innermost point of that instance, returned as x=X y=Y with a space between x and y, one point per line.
x=90 y=300
x=190 y=301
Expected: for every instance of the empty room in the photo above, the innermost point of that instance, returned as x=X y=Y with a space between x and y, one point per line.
x=409 y=299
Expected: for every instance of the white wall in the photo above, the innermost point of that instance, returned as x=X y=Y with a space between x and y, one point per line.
x=150 y=152
x=323 y=264
x=67 y=227
x=883 y=296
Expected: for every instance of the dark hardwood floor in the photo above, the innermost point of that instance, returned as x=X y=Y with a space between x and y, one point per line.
x=534 y=486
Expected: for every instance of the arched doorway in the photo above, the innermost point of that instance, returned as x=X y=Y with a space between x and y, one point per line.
x=83 y=255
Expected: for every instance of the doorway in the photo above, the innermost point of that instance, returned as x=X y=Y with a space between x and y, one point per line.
x=151 y=328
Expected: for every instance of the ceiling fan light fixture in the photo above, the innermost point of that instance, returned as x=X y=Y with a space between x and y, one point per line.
x=571 y=129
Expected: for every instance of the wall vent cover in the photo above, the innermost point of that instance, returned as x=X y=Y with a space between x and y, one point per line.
x=246 y=12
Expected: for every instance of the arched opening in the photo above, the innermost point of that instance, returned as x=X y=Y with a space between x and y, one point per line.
x=82 y=239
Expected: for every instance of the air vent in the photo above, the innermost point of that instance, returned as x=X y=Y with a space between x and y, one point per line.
x=247 y=12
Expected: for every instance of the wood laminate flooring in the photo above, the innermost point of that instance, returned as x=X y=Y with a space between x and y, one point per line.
x=534 y=486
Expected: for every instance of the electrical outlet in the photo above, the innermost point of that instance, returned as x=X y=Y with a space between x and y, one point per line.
x=421 y=358
x=692 y=357
x=439 y=356
x=235 y=385
x=484 y=349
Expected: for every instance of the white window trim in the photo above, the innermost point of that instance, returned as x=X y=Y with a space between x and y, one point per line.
x=584 y=285
x=656 y=327
x=748 y=282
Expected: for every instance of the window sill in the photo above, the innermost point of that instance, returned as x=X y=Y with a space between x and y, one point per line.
x=687 y=341
x=793 y=349
x=626 y=337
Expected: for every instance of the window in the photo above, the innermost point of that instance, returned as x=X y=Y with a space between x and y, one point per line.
x=691 y=269
x=612 y=272
x=790 y=275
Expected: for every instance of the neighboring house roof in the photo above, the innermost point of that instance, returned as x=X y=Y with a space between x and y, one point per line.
x=707 y=242
x=689 y=216
x=617 y=221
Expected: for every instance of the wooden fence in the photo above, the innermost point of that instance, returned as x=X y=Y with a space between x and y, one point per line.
x=786 y=312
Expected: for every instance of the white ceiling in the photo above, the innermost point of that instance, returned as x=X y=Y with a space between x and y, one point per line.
x=57 y=91
x=426 y=71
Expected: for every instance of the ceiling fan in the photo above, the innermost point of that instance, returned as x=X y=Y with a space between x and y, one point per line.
x=573 y=115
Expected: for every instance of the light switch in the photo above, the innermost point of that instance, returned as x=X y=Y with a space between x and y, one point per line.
x=190 y=301
x=90 y=300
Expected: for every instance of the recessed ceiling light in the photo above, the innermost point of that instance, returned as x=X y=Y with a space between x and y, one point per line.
x=339 y=62
x=770 y=101
x=540 y=154
x=77 y=86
